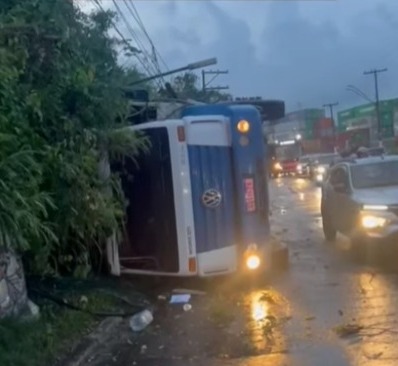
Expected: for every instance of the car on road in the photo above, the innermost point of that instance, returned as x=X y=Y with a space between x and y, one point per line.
x=289 y=166
x=360 y=200
x=304 y=166
x=321 y=165
x=275 y=168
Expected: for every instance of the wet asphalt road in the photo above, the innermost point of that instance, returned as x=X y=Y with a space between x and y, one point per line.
x=294 y=320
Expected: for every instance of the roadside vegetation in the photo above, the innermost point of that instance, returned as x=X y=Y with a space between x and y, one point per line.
x=61 y=104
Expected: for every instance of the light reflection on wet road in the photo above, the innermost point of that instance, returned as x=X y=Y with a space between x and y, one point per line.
x=324 y=286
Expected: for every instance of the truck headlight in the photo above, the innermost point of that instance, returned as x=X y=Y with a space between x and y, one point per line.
x=252 y=258
x=278 y=166
x=253 y=261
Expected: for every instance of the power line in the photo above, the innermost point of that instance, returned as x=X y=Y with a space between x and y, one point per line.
x=146 y=66
x=359 y=92
x=131 y=30
x=150 y=59
x=375 y=73
x=134 y=49
x=134 y=12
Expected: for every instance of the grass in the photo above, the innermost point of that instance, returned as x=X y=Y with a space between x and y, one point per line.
x=39 y=342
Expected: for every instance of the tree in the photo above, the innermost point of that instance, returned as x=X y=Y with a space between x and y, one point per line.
x=61 y=107
x=186 y=87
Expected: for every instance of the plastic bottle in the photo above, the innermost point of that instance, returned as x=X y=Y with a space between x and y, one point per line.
x=141 y=320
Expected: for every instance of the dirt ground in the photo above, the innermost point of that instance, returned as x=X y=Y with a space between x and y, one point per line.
x=227 y=322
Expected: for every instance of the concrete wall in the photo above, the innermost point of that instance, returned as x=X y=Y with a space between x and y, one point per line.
x=13 y=294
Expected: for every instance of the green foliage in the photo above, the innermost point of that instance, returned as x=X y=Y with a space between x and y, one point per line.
x=61 y=105
x=186 y=86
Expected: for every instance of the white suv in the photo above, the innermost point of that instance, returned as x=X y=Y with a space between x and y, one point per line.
x=360 y=200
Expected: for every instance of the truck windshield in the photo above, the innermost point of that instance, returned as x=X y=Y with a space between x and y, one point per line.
x=380 y=174
x=151 y=219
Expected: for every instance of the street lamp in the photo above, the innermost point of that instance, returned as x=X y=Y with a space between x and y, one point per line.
x=189 y=67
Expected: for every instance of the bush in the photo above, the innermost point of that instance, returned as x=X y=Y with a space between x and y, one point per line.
x=60 y=107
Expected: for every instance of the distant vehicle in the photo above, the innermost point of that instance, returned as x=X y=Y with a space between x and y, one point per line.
x=288 y=154
x=275 y=169
x=304 y=165
x=320 y=166
x=198 y=201
x=360 y=200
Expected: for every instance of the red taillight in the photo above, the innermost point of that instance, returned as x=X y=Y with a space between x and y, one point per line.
x=181 y=133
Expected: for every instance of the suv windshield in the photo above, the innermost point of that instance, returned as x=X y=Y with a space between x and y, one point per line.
x=378 y=174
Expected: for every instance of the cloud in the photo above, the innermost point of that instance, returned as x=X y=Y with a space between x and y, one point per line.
x=301 y=52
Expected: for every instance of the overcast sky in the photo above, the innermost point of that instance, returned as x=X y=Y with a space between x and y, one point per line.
x=304 y=52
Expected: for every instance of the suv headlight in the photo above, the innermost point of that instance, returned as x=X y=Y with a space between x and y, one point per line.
x=372 y=220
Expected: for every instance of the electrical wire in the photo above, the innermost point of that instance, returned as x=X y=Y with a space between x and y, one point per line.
x=134 y=12
x=125 y=41
x=146 y=63
x=61 y=302
x=150 y=58
x=100 y=7
x=55 y=289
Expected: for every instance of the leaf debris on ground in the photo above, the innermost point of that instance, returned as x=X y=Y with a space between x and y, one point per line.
x=347 y=330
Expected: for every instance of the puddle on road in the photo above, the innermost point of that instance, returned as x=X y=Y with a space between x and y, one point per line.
x=267 y=314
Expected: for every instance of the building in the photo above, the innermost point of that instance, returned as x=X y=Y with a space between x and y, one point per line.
x=363 y=120
x=295 y=124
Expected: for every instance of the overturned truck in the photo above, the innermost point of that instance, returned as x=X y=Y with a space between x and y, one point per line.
x=199 y=203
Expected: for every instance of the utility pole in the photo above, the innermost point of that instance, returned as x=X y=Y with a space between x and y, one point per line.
x=215 y=73
x=375 y=73
x=331 y=106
